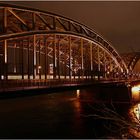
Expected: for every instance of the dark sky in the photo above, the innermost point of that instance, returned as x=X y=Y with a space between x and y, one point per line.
x=116 y=21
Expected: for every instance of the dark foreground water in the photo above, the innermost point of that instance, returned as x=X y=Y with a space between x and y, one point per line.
x=59 y=115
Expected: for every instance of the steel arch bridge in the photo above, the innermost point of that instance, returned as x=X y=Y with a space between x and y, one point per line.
x=132 y=60
x=36 y=44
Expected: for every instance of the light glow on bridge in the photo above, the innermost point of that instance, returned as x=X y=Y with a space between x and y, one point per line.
x=136 y=93
x=40 y=46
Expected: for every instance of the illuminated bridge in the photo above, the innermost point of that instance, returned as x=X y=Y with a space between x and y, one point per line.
x=42 y=48
x=132 y=61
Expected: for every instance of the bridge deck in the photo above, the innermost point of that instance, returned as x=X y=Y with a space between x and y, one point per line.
x=23 y=85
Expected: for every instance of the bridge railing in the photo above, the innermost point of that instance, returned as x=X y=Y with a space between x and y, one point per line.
x=14 y=85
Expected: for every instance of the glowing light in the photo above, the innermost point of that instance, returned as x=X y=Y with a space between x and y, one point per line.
x=78 y=93
x=139 y=106
x=135 y=93
x=51 y=68
x=135 y=89
x=39 y=67
x=2 y=77
x=15 y=70
x=134 y=114
x=137 y=113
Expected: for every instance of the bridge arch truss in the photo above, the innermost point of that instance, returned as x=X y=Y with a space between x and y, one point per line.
x=132 y=60
x=40 y=45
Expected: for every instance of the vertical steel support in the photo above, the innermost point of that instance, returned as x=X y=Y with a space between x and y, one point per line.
x=58 y=60
x=99 y=66
x=54 y=57
x=34 y=56
x=39 y=67
x=65 y=67
x=73 y=67
x=46 y=59
x=70 y=70
x=34 y=45
x=110 y=65
x=28 y=58
x=5 y=42
x=14 y=53
x=91 y=60
x=104 y=65
x=110 y=68
x=82 y=59
x=22 y=60
x=54 y=49
x=5 y=60
x=5 y=51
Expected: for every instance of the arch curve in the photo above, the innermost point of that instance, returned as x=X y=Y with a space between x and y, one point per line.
x=25 y=27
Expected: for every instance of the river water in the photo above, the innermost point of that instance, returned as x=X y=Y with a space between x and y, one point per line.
x=67 y=114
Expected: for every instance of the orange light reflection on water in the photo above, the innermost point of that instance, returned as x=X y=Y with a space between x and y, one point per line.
x=77 y=103
x=134 y=114
x=78 y=93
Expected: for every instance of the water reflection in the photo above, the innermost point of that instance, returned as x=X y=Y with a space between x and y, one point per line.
x=57 y=115
x=78 y=93
x=134 y=114
x=77 y=103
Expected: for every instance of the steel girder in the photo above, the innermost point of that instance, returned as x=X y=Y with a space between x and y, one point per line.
x=42 y=38
x=131 y=59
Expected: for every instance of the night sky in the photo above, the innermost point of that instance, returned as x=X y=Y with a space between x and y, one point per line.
x=116 y=21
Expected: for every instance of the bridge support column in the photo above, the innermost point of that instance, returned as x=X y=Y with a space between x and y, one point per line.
x=34 y=46
x=22 y=60
x=110 y=69
x=65 y=66
x=46 y=57
x=28 y=58
x=99 y=66
x=105 y=76
x=105 y=66
x=73 y=63
x=91 y=60
x=58 y=58
x=14 y=57
x=5 y=76
x=54 y=57
x=34 y=56
x=82 y=59
x=5 y=59
x=39 y=67
x=70 y=69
